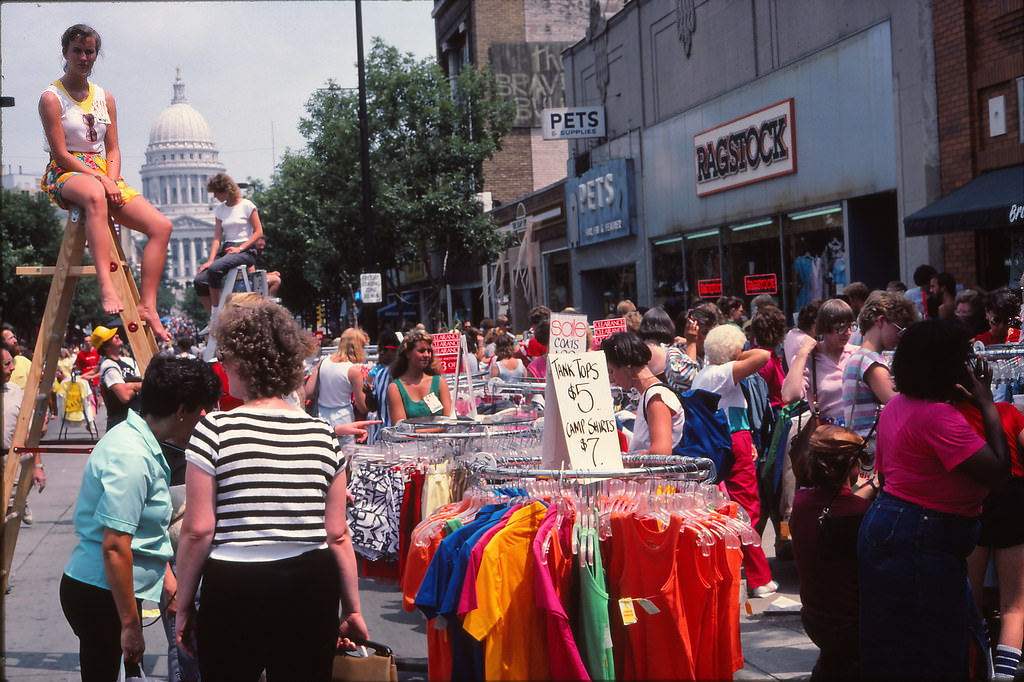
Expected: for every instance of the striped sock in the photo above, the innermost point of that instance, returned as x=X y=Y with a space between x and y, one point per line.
x=1006 y=660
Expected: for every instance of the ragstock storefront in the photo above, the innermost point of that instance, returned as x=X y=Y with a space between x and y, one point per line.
x=785 y=172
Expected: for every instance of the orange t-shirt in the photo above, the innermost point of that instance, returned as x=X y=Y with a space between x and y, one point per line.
x=506 y=619
x=643 y=565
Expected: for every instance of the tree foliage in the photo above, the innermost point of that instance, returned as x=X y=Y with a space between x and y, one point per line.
x=428 y=138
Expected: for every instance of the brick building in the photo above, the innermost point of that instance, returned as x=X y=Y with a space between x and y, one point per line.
x=523 y=41
x=979 y=77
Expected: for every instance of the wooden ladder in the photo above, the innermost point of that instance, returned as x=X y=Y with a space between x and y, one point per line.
x=19 y=466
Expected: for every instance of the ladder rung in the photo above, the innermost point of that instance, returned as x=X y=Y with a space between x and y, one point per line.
x=50 y=270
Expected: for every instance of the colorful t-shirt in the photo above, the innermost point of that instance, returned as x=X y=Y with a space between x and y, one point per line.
x=920 y=444
x=860 y=405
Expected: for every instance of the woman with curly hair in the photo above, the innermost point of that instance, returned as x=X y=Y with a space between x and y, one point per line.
x=867 y=381
x=417 y=389
x=265 y=524
x=237 y=238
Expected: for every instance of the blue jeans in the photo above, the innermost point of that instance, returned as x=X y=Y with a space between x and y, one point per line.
x=917 y=617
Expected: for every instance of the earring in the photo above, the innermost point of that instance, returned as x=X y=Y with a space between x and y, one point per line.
x=181 y=419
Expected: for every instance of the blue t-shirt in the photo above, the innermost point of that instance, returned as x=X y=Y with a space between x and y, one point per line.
x=125 y=487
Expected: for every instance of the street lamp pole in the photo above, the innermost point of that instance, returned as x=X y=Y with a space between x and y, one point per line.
x=364 y=147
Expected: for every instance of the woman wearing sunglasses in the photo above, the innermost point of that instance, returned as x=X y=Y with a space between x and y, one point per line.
x=867 y=382
x=80 y=123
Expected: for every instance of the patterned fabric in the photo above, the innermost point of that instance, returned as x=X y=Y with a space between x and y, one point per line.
x=374 y=515
x=54 y=178
x=680 y=370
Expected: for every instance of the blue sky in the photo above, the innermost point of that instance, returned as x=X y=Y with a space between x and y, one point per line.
x=248 y=67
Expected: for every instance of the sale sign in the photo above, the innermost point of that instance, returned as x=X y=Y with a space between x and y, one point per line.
x=568 y=333
x=446 y=350
x=709 y=288
x=754 y=285
x=605 y=328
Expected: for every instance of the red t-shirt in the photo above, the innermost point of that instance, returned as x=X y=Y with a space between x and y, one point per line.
x=1013 y=424
x=535 y=349
x=227 y=401
x=1012 y=336
x=920 y=444
x=87 y=361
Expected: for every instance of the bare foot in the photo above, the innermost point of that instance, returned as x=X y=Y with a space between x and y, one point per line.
x=152 y=318
x=111 y=301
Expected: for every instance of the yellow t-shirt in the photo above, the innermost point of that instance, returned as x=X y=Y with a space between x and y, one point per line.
x=22 y=365
x=506 y=618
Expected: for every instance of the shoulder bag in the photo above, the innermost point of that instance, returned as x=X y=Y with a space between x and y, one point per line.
x=801 y=444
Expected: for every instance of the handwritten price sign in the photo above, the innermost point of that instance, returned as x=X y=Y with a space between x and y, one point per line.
x=586 y=415
x=568 y=333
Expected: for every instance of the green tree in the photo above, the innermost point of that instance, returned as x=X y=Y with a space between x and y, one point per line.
x=428 y=138
x=193 y=309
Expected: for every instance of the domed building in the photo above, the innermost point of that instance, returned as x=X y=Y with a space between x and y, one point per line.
x=180 y=157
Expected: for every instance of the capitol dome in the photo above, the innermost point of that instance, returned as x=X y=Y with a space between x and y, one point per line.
x=180 y=158
x=180 y=123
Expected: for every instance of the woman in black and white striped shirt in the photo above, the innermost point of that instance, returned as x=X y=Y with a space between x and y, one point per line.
x=265 y=521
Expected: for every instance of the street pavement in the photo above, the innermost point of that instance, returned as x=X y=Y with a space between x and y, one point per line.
x=40 y=646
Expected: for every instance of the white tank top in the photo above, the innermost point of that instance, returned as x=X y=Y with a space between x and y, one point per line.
x=76 y=117
x=335 y=388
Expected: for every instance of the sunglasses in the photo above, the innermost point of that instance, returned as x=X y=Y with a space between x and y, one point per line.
x=90 y=120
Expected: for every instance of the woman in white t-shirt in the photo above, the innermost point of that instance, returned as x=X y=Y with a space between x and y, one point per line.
x=236 y=233
x=728 y=365
x=659 y=418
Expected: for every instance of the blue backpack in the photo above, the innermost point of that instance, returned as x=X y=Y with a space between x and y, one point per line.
x=706 y=431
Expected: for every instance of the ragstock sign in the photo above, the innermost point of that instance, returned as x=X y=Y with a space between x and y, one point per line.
x=750 y=149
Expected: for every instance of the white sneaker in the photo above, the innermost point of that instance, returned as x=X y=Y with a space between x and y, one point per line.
x=26 y=518
x=765 y=590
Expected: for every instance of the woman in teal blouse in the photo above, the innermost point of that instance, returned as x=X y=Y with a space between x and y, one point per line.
x=417 y=389
x=122 y=515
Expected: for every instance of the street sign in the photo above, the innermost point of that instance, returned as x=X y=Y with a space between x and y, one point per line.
x=371 y=287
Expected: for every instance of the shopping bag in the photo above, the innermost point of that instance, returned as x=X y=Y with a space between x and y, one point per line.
x=363 y=666
x=133 y=668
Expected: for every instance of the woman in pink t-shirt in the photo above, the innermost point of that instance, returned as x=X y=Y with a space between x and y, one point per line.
x=917 y=617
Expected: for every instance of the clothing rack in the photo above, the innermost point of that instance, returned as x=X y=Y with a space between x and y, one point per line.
x=639 y=466
x=1006 y=351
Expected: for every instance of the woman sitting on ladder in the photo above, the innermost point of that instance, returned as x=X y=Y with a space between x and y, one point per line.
x=80 y=122
x=237 y=238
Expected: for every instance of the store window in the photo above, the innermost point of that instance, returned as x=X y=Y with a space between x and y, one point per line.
x=559 y=280
x=669 y=275
x=603 y=289
x=814 y=253
x=703 y=262
x=750 y=248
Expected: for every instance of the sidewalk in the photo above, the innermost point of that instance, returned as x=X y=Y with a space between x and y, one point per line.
x=42 y=648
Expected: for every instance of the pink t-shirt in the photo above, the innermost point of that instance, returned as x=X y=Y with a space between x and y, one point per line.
x=830 y=380
x=920 y=443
